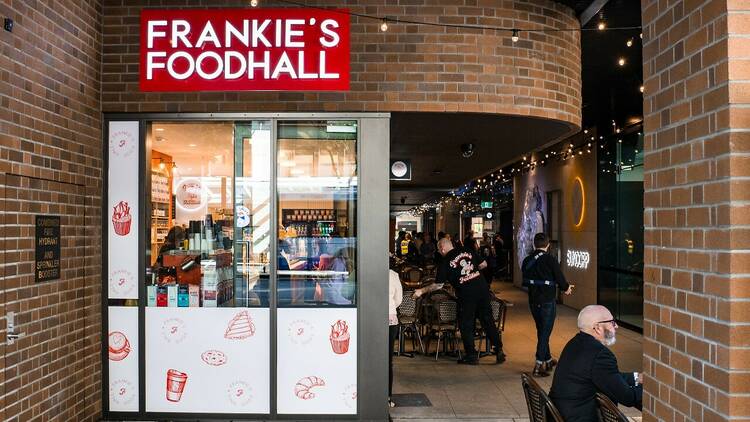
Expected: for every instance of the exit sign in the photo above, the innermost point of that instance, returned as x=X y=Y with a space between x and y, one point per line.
x=486 y=204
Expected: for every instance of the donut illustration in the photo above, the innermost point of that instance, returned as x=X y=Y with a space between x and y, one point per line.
x=214 y=357
x=119 y=346
x=303 y=387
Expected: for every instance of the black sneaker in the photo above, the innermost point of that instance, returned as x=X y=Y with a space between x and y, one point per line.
x=499 y=357
x=539 y=370
x=469 y=360
x=550 y=365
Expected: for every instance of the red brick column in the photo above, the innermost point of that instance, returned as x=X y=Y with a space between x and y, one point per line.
x=697 y=218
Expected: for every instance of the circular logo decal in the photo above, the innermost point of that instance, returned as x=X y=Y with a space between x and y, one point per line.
x=122 y=143
x=121 y=282
x=300 y=332
x=242 y=217
x=121 y=391
x=173 y=330
x=239 y=393
x=399 y=168
x=190 y=194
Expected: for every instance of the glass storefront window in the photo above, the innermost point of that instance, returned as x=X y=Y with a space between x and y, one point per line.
x=316 y=167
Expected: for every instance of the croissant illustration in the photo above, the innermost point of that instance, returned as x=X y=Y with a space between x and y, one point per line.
x=303 y=387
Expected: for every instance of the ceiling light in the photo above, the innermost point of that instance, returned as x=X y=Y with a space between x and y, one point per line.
x=161 y=166
x=159 y=129
x=621 y=61
x=192 y=145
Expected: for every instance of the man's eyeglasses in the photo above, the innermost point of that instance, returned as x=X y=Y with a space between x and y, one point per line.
x=614 y=323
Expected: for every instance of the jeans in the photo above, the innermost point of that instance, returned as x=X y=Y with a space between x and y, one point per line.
x=544 y=318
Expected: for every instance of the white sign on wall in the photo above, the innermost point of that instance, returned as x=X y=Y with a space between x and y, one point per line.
x=122 y=352
x=122 y=215
x=578 y=259
x=317 y=361
x=208 y=360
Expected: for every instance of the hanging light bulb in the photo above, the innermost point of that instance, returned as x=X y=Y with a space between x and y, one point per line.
x=601 y=26
x=384 y=25
x=641 y=89
x=621 y=61
x=629 y=43
x=514 y=37
x=254 y=3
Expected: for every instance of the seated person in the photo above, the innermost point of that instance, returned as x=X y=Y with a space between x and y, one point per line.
x=587 y=366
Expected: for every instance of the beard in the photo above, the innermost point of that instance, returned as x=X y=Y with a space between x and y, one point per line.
x=610 y=337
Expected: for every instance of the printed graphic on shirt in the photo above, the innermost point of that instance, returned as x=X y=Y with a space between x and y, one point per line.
x=463 y=260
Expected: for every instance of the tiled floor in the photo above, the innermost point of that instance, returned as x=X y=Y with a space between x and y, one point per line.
x=493 y=392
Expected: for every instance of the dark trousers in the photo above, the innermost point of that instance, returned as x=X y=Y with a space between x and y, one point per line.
x=544 y=318
x=474 y=302
x=392 y=334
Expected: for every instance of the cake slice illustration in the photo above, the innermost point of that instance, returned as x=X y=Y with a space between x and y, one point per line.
x=119 y=346
x=304 y=386
x=340 y=337
x=121 y=218
x=240 y=327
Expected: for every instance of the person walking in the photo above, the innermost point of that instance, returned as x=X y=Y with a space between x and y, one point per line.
x=542 y=275
x=462 y=268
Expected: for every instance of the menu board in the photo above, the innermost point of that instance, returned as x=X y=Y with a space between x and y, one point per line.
x=325 y=380
x=122 y=350
x=208 y=360
x=122 y=210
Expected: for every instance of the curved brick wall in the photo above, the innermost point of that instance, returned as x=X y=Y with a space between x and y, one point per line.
x=408 y=68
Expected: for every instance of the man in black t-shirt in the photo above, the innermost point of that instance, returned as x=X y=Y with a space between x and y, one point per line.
x=462 y=269
x=542 y=275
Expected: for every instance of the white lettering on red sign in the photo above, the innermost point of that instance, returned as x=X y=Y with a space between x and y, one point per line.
x=244 y=49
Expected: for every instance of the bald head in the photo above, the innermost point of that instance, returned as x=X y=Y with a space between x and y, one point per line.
x=590 y=315
x=444 y=246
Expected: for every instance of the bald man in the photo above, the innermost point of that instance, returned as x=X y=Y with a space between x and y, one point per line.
x=587 y=367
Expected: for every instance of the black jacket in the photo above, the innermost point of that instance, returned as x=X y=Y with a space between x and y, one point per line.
x=586 y=367
x=542 y=268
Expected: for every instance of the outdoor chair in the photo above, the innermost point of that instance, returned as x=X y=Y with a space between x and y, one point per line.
x=540 y=406
x=607 y=410
x=444 y=325
x=499 y=310
x=411 y=277
x=408 y=313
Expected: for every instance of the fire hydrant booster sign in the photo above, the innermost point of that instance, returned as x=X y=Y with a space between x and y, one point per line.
x=244 y=50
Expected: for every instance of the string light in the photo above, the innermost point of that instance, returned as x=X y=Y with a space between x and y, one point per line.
x=384 y=25
x=254 y=3
x=602 y=26
x=514 y=37
x=629 y=43
x=621 y=61
x=641 y=89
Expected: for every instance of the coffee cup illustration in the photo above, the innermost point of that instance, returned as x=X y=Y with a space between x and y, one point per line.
x=176 y=381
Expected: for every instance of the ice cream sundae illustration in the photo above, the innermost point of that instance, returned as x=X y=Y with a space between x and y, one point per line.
x=340 y=337
x=121 y=218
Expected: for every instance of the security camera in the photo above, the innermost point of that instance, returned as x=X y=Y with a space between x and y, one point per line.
x=403 y=200
x=467 y=150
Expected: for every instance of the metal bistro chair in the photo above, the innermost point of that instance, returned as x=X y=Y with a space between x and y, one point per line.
x=607 y=410
x=412 y=277
x=444 y=325
x=499 y=310
x=408 y=313
x=540 y=406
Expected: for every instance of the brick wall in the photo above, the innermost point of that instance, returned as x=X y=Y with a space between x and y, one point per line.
x=408 y=68
x=50 y=163
x=697 y=163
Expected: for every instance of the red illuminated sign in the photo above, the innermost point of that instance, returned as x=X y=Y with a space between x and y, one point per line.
x=244 y=50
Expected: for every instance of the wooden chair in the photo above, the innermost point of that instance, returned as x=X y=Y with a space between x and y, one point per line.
x=607 y=410
x=540 y=406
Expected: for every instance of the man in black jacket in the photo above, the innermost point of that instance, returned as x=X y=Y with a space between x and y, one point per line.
x=587 y=366
x=542 y=275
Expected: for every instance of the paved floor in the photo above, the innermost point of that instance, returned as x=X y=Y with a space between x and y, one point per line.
x=493 y=392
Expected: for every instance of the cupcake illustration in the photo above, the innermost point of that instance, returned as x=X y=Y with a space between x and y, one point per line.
x=340 y=337
x=121 y=218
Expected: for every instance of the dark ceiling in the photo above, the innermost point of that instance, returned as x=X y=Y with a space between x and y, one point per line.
x=610 y=92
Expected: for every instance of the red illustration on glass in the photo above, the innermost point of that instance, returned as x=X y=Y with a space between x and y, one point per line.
x=340 y=337
x=175 y=384
x=304 y=386
x=121 y=218
x=214 y=357
x=240 y=327
x=119 y=346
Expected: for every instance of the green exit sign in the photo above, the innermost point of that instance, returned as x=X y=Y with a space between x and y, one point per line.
x=486 y=204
